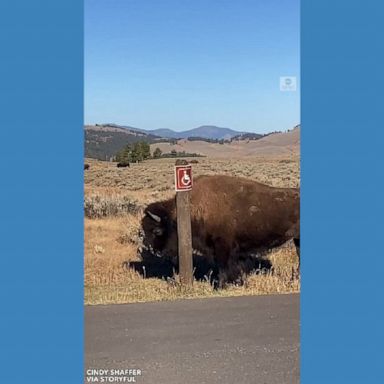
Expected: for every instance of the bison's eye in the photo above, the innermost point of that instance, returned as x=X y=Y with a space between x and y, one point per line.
x=157 y=231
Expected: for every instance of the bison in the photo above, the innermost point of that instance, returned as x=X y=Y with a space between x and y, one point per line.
x=181 y=162
x=86 y=166
x=122 y=165
x=231 y=217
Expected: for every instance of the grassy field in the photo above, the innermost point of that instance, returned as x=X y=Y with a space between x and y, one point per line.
x=113 y=201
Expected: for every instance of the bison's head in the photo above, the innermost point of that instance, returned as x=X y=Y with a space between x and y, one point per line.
x=158 y=232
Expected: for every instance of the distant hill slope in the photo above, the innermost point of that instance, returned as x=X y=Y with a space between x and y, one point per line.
x=205 y=131
x=211 y=132
x=164 y=132
x=104 y=141
x=276 y=144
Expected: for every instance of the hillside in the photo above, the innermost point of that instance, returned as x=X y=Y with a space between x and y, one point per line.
x=164 y=132
x=205 y=131
x=210 y=132
x=103 y=141
x=287 y=143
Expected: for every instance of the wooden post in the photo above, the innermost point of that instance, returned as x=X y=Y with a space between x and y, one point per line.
x=184 y=233
x=183 y=186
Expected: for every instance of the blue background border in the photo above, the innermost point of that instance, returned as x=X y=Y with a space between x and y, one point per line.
x=41 y=168
x=41 y=243
x=342 y=199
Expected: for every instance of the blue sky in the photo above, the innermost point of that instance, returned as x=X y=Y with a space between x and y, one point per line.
x=183 y=63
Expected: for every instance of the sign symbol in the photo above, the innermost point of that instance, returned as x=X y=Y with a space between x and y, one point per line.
x=185 y=179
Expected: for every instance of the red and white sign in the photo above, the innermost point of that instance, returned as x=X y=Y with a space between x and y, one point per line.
x=183 y=178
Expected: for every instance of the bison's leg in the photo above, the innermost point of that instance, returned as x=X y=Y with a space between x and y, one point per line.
x=226 y=260
x=222 y=251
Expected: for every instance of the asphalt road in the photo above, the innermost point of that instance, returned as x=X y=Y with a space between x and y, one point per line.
x=226 y=340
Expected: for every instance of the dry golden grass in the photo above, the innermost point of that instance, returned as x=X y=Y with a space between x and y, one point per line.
x=153 y=179
x=110 y=242
x=112 y=239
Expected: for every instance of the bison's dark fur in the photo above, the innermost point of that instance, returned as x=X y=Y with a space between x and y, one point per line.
x=122 y=165
x=86 y=166
x=181 y=162
x=231 y=218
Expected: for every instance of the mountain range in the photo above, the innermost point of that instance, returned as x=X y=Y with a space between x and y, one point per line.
x=103 y=141
x=204 y=131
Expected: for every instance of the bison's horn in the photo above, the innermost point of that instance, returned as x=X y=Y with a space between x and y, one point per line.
x=154 y=217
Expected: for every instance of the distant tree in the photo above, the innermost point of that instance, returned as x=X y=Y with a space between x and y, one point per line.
x=124 y=155
x=145 y=149
x=135 y=156
x=134 y=152
x=174 y=152
x=157 y=153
